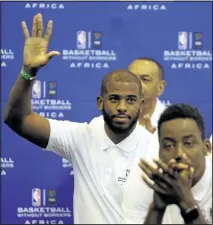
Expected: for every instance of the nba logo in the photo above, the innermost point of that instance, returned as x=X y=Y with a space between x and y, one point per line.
x=36 y=197
x=81 y=39
x=182 y=40
x=127 y=173
x=36 y=90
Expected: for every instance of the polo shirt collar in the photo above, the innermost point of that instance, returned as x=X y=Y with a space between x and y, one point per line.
x=127 y=145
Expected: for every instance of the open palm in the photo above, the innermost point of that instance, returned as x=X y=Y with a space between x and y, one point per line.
x=35 y=49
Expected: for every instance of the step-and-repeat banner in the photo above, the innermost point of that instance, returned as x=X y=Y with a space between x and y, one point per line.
x=93 y=38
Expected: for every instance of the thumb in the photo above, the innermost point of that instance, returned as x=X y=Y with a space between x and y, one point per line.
x=52 y=53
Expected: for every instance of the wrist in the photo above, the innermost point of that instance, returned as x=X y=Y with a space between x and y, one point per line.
x=28 y=74
x=156 y=208
x=31 y=71
x=189 y=211
x=187 y=203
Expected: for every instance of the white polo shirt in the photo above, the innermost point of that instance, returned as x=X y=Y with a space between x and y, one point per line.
x=160 y=107
x=137 y=197
x=100 y=167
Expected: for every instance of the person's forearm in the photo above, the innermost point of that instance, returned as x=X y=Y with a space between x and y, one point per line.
x=19 y=102
x=155 y=216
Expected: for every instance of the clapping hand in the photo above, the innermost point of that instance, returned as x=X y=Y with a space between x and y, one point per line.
x=172 y=181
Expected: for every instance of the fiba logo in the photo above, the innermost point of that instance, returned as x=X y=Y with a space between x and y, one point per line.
x=182 y=40
x=81 y=39
x=36 y=197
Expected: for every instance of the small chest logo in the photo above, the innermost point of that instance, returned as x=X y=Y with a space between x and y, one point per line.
x=122 y=179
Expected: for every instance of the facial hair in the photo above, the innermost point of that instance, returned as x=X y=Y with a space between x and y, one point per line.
x=109 y=123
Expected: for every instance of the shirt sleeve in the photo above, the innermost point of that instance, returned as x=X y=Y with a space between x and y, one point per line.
x=64 y=136
x=137 y=197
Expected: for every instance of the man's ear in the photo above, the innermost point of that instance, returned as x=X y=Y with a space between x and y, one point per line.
x=142 y=104
x=207 y=147
x=100 y=103
x=161 y=87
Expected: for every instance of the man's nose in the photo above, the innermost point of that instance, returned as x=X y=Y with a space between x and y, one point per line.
x=179 y=154
x=122 y=107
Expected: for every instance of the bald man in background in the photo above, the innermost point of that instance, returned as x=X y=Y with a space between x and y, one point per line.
x=151 y=75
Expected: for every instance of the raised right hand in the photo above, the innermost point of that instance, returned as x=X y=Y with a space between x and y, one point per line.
x=35 y=49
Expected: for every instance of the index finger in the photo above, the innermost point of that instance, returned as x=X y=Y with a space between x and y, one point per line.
x=147 y=165
x=166 y=169
x=48 y=30
x=161 y=165
x=25 y=30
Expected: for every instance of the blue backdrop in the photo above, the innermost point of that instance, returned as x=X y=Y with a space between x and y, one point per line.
x=93 y=38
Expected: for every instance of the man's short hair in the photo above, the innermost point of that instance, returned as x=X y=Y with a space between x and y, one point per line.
x=160 y=67
x=120 y=76
x=182 y=111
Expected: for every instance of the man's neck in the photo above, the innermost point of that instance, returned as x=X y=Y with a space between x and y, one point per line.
x=148 y=109
x=117 y=137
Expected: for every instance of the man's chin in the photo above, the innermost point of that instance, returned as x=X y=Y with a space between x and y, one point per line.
x=120 y=127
